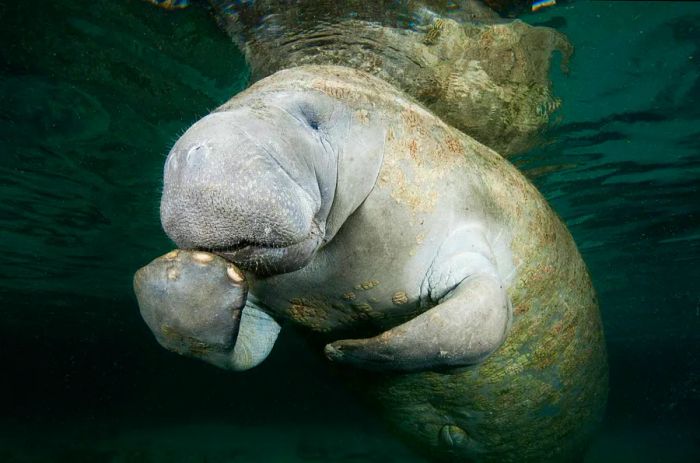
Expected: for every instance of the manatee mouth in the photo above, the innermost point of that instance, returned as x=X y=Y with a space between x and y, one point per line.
x=271 y=259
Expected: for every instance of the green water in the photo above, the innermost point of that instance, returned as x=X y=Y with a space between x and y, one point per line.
x=92 y=95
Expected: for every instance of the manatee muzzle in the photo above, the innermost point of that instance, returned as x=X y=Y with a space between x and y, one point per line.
x=269 y=260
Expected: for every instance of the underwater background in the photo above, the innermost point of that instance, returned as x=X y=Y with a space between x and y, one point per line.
x=92 y=96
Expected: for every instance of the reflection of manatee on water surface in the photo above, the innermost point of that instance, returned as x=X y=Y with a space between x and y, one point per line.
x=481 y=74
x=436 y=272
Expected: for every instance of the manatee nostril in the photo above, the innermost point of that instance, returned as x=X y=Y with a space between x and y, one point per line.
x=197 y=153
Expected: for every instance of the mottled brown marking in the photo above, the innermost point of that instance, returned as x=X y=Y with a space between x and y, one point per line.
x=433 y=33
x=311 y=312
x=399 y=298
x=362 y=116
x=413 y=150
x=364 y=286
x=333 y=89
x=454 y=145
x=520 y=310
x=411 y=118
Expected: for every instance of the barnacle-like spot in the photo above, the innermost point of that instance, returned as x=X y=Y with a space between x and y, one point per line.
x=399 y=298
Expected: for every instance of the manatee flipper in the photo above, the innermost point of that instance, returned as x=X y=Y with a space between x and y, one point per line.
x=463 y=329
x=468 y=323
x=196 y=304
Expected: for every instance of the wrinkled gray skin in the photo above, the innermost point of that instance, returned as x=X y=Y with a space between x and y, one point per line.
x=283 y=185
x=255 y=186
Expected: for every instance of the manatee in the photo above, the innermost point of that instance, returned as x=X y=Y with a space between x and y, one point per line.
x=435 y=271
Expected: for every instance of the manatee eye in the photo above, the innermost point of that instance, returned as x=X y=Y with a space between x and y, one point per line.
x=310 y=115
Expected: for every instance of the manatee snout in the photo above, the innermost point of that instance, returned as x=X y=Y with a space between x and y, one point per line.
x=253 y=184
x=192 y=302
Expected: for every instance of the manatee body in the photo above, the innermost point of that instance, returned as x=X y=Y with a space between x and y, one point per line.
x=425 y=258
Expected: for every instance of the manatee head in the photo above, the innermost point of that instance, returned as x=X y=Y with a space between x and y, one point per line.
x=253 y=184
